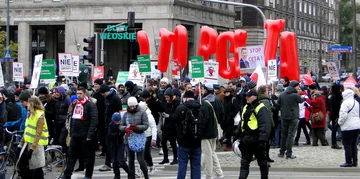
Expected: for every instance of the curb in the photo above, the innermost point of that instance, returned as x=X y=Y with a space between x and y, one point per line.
x=284 y=169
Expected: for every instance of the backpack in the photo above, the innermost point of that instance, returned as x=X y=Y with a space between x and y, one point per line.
x=193 y=123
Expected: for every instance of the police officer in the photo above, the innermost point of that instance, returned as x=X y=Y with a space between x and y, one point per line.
x=253 y=133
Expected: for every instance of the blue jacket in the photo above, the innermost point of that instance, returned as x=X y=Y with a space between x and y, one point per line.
x=20 y=123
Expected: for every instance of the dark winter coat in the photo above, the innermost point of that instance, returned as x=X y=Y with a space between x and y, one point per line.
x=266 y=101
x=116 y=137
x=87 y=127
x=160 y=93
x=231 y=108
x=335 y=102
x=289 y=104
x=135 y=93
x=113 y=104
x=13 y=110
x=156 y=107
x=217 y=105
x=101 y=107
x=138 y=118
x=178 y=118
x=50 y=109
x=169 y=128
x=61 y=109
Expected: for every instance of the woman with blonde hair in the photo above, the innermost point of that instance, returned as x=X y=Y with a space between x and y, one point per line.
x=31 y=147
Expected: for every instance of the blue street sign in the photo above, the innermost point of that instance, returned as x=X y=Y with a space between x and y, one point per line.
x=339 y=49
x=278 y=61
x=7 y=56
x=339 y=56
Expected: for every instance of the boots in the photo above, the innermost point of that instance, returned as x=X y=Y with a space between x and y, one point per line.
x=307 y=143
x=335 y=146
x=296 y=142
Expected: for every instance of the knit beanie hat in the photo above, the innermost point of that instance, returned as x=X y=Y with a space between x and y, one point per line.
x=98 y=81
x=24 y=96
x=61 y=90
x=251 y=84
x=104 y=88
x=145 y=94
x=116 y=117
x=4 y=92
x=17 y=93
x=169 y=92
x=43 y=90
x=189 y=94
x=132 y=101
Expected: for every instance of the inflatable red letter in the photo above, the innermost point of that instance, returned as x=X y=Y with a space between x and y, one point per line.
x=207 y=44
x=289 y=63
x=143 y=40
x=180 y=50
x=221 y=56
x=273 y=28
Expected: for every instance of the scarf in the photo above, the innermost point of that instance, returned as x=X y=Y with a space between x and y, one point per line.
x=78 y=113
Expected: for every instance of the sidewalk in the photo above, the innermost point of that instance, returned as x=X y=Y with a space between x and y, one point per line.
x=309 y=159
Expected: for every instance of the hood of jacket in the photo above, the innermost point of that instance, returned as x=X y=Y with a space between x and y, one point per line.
x=290 y=90
x=192 y=104
x=262 y=96
x=348 y=93
x=61 y=90
x=112 y=92
x=210 y=97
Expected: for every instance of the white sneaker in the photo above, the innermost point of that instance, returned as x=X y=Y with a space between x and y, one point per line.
x=152 y=170
x=161 y=152
x=138 y=173
x=222 y=177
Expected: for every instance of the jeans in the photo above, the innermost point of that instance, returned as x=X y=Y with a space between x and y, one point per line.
x=2 y=176
x=247 y=152
x=131 y=161
x=302 y=125
x=350 y=145
x=288 y=129
x=118 y=152
x=80 y=146
x=209 y=160
x=148 y=157
x=277 y=133
x=194 y=154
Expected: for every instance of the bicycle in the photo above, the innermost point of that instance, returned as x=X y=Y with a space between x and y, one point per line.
x=54 y=159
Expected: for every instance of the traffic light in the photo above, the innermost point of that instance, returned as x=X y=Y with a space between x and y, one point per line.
x=131 y=19
x=90 y=49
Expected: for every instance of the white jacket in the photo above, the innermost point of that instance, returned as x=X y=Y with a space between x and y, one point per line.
x=349 y=120
x=152 y=130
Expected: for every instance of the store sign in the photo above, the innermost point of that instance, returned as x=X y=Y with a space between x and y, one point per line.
x=114 y=34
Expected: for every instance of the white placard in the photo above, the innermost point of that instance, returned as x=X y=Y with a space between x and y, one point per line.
x=76 y=65
x=155 y=73
x=272 y=68
x=333 y=70
x=2 y=83
x=36 y=71
x=18 y=72
x=65 y=64
x=134 y=74
x=251 y=57
x=211 y=72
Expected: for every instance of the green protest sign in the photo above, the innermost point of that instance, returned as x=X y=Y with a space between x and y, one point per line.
x=47 y=74
x=144 y=63
x=197 y=66
x=122 y=77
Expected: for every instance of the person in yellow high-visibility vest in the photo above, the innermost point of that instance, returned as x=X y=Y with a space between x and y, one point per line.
x=35 y=138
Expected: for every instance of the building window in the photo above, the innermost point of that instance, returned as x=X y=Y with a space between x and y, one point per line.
x=305 y=7
x=314 y=11
x=300 y=6
x=305 y=26
x=310 y=9
x=238 y=15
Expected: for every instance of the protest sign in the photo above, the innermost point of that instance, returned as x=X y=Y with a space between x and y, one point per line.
x=65 y=64
x=36 y=71
x=98 y=72
x=47 y=74
x=211 y=74
x=144 y=63
x=350 y=82
x=122 y=77
x=251 y=56
x=175 y=69
x=272 y=69
x=332 y=69
x=2 y=83
x=197 y=68
x=18 y=72
x=76 y=65
x=155 y=73
x=134 y=74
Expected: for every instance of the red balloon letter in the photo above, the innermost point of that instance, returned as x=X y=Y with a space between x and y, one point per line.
x=221 y=56
x=143 y=40
x=289 y=63
x=273 y=28
x=207 y=44
x=180 y=50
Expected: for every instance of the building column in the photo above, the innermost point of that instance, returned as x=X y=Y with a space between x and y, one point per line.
x=24 y=48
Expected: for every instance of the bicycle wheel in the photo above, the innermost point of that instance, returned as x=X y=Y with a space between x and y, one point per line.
x=54 y=163
x=11 y=166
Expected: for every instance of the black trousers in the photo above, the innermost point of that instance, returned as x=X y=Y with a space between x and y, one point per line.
x=25 y=172
x=107 y=147
x=319 y=133
x=334 y=129
x=118 y=152
x=247 y=152
x=172 y=141
x=80 y=146
x=141 y=160
x=228 y=134
x=349 y=139
x=148 y=157
x=302 y=125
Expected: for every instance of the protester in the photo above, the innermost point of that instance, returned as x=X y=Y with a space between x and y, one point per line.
x=62 y=103
x=135 y=120
x=164 y=85
x=100 y=105
x=276 y=115
x=349 y=124
x=289 y=108
x=304 y=116
x=335 y=103
x=231 y=109
x=49 y=103
x=189 y=140
x=83 y=134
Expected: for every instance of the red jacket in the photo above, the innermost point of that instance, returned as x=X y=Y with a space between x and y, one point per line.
x=318 y=104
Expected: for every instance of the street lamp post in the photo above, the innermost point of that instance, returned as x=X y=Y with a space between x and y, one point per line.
x=7 y=76
x=354 y=39
x=102 y=41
